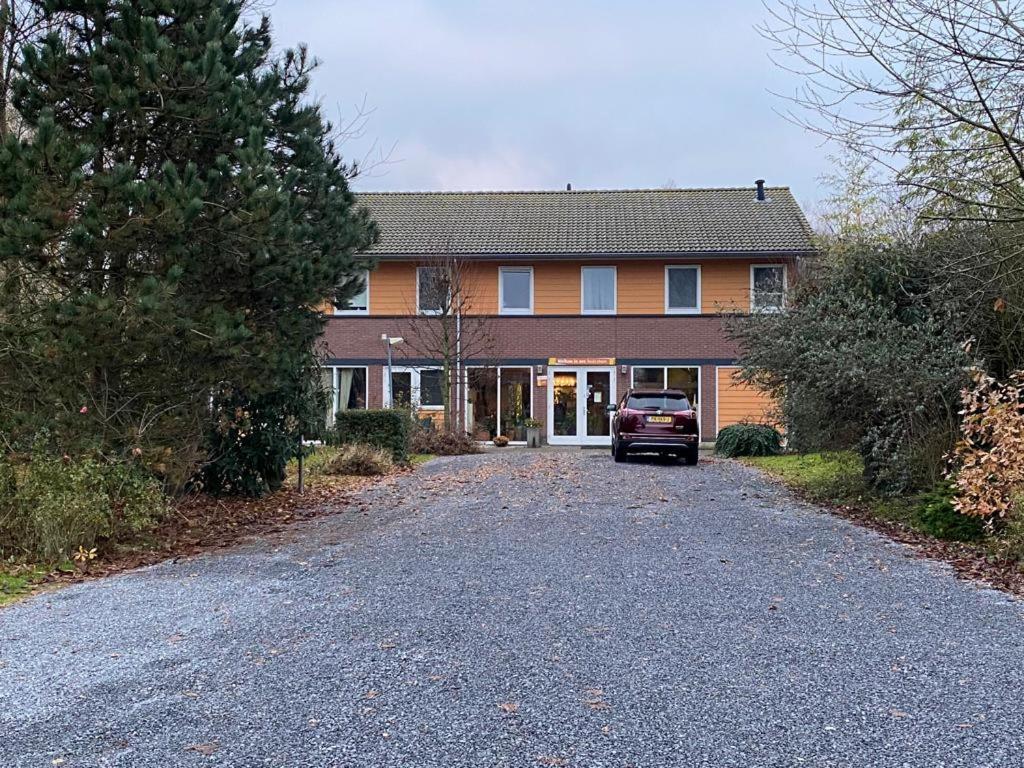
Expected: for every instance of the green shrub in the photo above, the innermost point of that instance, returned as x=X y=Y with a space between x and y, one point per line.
x=360 y=459
x=386 y=428
x=937 y=516
x=62 y=504
x=748 y=440
x=441 y=443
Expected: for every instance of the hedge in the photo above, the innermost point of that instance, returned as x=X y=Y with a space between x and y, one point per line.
x=746 y=439
x=383 y=428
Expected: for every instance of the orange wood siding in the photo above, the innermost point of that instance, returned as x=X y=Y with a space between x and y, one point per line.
x=641 y=288
x=556 y=288
x=725 y=286
x=393 y=289
x=738 y=401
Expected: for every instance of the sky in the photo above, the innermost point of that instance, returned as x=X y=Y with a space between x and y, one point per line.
x=525 y=94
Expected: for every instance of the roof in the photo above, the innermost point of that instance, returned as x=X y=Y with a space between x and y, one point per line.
x=638 y=222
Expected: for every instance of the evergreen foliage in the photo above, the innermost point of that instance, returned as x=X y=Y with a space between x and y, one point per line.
x=386 y=428
x=168 y=228
x=748 y=440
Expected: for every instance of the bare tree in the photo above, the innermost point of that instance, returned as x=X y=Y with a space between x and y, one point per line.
x=447 y=327
x=931 y=89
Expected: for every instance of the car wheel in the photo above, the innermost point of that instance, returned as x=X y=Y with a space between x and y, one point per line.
x=619 y=452
x=691 y=457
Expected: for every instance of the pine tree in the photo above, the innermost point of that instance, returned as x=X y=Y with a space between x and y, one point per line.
x=167 y=230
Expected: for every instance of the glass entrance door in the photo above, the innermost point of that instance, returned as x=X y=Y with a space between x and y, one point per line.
x=577 y=403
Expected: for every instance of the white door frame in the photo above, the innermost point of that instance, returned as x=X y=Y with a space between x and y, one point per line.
x=580 y=438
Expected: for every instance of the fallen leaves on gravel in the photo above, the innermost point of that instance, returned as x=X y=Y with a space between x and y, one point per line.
x=199 y=523
x=206 y=749
x=509 y=707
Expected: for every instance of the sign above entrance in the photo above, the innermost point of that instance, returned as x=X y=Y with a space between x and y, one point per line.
x=581 y=361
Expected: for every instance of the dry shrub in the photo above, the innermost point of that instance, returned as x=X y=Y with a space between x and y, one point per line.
x=360 y=459
x=988 y=461
x=441 y=443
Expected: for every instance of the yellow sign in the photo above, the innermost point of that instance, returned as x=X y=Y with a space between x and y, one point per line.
x=581 y=361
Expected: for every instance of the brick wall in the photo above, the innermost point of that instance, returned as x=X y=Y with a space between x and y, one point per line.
x=638 y=337
x=632 y=340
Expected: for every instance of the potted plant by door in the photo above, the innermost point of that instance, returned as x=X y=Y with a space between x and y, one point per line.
x=532 y=433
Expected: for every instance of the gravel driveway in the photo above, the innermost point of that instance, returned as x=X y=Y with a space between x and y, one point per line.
x=527 y=609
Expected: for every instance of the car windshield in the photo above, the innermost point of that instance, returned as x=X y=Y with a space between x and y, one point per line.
x=642 y=401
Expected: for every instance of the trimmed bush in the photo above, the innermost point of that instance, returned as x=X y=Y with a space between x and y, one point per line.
x=360 y=459
x=441 y=443
x=938 y=517
x=748 y=440
x=386 y=428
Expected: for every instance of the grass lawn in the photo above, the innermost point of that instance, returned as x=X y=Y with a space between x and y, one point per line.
x=19 y=581
x=421 y=458
x=837 y=478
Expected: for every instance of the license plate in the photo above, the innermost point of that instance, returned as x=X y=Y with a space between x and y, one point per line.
x=659 y=419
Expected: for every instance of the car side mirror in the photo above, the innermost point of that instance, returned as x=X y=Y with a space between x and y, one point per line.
x=611 y=407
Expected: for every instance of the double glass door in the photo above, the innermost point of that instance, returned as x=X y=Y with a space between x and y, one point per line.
x=577 y=405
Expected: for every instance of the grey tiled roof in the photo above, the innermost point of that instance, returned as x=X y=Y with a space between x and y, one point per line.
x=594 y=222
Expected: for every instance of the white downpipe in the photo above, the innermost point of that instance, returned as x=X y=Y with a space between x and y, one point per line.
x=459 y=405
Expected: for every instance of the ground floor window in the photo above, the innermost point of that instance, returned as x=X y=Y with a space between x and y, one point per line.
x=415 y=387
x=498 y=402
x=346 y=389
x=685 y=378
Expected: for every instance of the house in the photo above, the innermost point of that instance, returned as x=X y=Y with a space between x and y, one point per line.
x=567 y=298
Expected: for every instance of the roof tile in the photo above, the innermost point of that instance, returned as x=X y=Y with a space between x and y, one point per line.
x=588 y=222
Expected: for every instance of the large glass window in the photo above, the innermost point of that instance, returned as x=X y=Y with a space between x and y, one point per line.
x=499 y=401
x=416 y=387
x=515 y=290
x=649 y=377
x=360 y=303
x=682 y=289
x=431 y=290
x=401 y=389
x=346 y=389
x=482 y=408
x=767 y=287
x=516 y=386
x=598 y=290
x=683 y=378
x=430 y=388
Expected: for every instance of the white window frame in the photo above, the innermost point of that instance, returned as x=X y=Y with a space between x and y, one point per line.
x=669 y=309
x=497 y=380
x=615 y=291
x=365 y=311
x=502 y=310
x=664 y=383
x=336 y=392
x=419 y=309
x=785 y=286
x=414 y=380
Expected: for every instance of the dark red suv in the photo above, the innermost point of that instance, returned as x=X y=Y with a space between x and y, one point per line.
x=655 y=421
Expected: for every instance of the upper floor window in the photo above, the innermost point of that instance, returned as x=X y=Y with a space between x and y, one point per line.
x=598 y=285
x=432 y=291
x=360 y=303
x=515 y=290
x=682 y=290
x=767 y=287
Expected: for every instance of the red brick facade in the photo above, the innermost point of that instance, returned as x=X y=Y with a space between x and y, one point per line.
x=696 y=340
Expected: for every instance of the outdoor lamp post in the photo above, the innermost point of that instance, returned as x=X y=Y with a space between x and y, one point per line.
x=389 y=342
